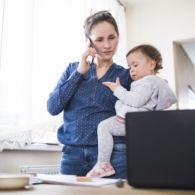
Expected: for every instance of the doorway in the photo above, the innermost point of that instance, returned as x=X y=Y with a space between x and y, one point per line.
x=184 y=60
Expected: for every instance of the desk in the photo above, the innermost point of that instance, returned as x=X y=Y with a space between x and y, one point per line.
x=46 y=189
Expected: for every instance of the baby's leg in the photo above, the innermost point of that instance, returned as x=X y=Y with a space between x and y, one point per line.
x=106 y=130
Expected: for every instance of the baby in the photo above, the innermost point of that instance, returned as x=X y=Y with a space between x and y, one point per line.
x=148 y=93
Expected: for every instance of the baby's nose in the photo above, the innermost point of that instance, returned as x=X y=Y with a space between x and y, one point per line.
x=131 y=70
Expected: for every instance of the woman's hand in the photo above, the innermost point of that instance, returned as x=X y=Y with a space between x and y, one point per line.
x=112 y=85
x=84 y=64
x=120 y=120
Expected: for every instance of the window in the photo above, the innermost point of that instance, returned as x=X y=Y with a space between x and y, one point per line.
x=39 y=38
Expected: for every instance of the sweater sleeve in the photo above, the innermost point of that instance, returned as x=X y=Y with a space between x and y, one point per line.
x=65 y=89
x=139 y=94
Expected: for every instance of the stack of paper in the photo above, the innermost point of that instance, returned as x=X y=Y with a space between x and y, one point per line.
x=72 y=180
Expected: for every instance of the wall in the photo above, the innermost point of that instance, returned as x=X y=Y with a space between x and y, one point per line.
x=10 y=160
x=160 y=22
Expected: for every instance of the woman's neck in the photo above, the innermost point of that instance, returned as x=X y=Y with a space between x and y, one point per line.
x=102 y=67
x=104 y=63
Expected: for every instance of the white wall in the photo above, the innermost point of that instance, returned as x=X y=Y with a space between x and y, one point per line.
x=160 y=22
x=11 y=160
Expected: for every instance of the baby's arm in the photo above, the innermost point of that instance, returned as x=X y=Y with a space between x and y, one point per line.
x=141 y=91
x=137 y=96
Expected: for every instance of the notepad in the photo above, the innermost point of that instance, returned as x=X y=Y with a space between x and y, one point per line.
x=72 y=180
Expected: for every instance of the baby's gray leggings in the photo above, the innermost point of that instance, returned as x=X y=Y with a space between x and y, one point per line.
x=106 y=129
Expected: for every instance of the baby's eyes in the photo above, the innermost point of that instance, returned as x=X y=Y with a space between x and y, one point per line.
x=133 y=66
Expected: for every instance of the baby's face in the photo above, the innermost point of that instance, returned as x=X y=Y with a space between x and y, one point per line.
x=140 y=65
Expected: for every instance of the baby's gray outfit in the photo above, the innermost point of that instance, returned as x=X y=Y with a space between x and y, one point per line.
x=147 y=94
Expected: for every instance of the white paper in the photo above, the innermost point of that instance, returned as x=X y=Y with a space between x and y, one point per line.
x=72 y=180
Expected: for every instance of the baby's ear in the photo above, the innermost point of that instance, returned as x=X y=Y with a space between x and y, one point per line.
x=153 y=64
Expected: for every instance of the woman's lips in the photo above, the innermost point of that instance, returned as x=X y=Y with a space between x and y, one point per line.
x=107 y=52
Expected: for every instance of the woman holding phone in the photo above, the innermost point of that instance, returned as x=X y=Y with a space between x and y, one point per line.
x=85 y=101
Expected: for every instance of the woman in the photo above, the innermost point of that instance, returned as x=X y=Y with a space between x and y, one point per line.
x=85 y=101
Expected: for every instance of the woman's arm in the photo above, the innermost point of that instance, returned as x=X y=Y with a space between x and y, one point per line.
x=69 y=82
x=65 y=89
x=122 y=108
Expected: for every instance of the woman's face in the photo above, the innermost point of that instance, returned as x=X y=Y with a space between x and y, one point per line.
x=105 y=40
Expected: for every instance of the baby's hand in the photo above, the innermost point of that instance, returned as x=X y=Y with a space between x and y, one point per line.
x=112 y=85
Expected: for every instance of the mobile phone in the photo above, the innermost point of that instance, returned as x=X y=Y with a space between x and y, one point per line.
x=92 y=45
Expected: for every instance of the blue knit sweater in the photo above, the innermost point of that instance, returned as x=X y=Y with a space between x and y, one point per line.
x=85 y=102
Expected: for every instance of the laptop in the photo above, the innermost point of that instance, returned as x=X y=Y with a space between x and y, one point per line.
x=161 y=149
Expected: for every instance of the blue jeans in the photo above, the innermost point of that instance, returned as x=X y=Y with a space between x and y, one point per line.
x=79 y=160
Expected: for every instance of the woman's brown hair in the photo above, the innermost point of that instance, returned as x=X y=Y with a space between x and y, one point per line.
x=101 y=16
